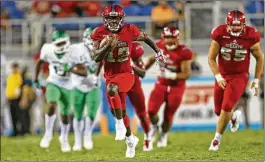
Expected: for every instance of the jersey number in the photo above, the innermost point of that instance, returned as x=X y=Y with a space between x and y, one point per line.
x=122 y=55
x=240 y=55
x=59 y=70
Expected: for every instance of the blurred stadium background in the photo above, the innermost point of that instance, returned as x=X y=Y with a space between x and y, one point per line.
x=26 y=25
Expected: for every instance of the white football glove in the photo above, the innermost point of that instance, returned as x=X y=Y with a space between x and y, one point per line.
x=170 y=74
x=160 y=58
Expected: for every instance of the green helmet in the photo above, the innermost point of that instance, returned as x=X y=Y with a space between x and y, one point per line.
x=61 y=41
x=86 y=37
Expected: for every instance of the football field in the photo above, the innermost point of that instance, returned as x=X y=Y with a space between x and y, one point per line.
x=242 y=145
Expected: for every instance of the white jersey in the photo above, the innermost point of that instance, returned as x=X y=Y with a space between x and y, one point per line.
x=83 y=56
x=57 y=75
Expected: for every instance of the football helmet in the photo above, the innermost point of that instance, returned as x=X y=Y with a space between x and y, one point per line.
x=236 y=23
x=113 y=17
x=170 y=36
x=61 y=41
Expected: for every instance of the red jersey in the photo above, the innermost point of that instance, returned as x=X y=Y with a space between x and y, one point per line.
x=118 y=60
x=234 y=54
x=136 y=53
x=173 y=62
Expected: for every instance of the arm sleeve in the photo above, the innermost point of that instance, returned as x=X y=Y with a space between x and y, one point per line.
x=256 y=37
x=137 y=51
x=215 y=34
x=95 y=35
x=43 y=55
x=135 y=32
x=187 y=54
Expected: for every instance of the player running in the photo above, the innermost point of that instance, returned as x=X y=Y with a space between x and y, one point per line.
x=114 y=51
x=86 y=93
x=170 y=84
x=232 y=43
x=59 y=86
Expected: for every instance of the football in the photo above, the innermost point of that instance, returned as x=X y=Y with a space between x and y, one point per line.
x=112 y=38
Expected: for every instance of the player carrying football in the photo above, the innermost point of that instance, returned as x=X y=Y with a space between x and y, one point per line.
x=114 y=51
x=232 y=43
x=170 y=84
x=59 y=86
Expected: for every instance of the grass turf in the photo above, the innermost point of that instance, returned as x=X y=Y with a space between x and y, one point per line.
x=242 y=145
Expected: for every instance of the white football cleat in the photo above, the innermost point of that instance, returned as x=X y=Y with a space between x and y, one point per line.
x=162 y=141
x=120 y=132
x=234 y=122
x=214 y=145
x=131 y=144
x=153 y=131
x=88 y=143
x=65 y=147
x=45 y=141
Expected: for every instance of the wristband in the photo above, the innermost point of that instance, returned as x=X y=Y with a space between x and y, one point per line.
x=218 y=77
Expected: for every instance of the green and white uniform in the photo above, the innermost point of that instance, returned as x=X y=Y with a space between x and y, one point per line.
x=59 y=83
x=86 y=91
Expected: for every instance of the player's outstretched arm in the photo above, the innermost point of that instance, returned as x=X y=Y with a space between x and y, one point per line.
x=79 y=69
x=144 y=37
x=258 y=54
x=99 y=53
x=149 y=62
x=138 y=67
x=213 y=51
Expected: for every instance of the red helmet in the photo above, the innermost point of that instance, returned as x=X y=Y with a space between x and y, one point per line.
x=113 y=17
x=236 y=22
x=170 y=36
x=170 y=32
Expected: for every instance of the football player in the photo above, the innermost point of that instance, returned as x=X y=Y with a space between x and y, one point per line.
x=170 y=84
x=232 y=43
x=85 y=93
x=115 y=55
x=59 y=85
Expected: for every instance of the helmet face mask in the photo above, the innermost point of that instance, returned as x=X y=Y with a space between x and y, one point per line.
x=61 y=42
x=236 y=23
x=113 y=17
x=113 y=23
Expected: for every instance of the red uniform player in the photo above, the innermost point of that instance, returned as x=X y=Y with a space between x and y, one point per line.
x=232 y=43
x=136 y=94
x=170 y=84
x=115 y=55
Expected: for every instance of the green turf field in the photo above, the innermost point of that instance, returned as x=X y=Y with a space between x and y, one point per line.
x=242 y=145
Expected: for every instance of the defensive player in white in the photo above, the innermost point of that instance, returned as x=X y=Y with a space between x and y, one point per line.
x=85 y=93
x=61 y=62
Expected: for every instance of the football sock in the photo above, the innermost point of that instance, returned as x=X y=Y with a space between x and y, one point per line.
x=64 y=130
x=49 y=123
x=217 y=136
x=77 y=125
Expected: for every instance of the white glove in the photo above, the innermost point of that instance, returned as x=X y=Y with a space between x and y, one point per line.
x=160 y=58
x=95 y=80
x=170 y=74
x=219 y=77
